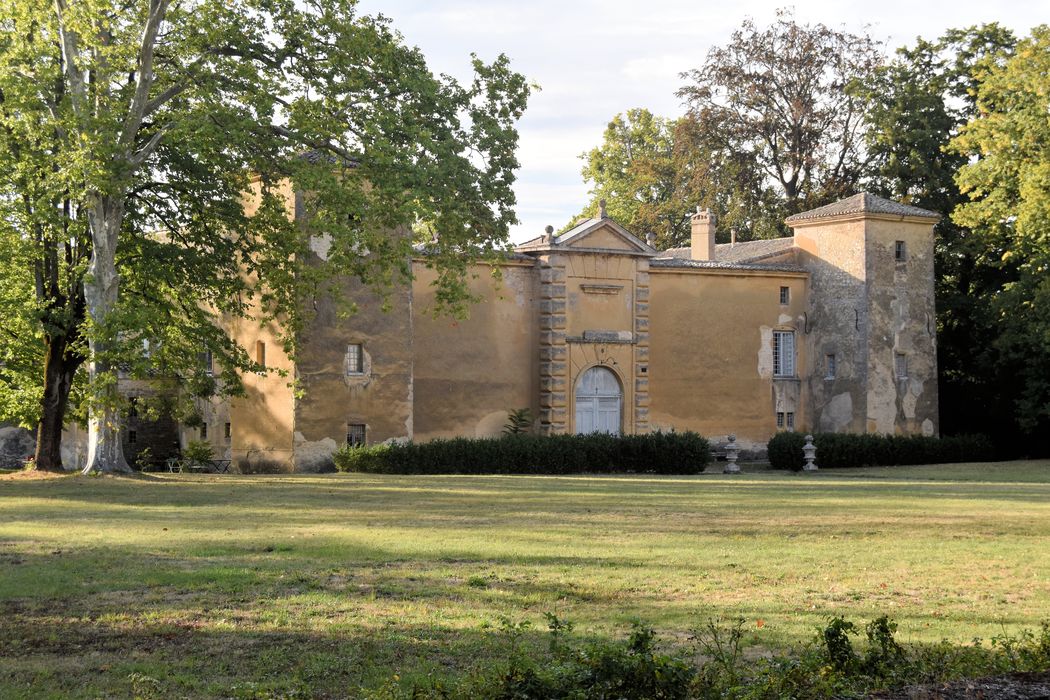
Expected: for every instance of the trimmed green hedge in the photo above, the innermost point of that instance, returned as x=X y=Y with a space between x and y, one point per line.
x=655 y=453
x=843 y=450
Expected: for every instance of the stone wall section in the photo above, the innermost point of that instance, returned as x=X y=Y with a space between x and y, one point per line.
x=641 y=347
x=554 y=352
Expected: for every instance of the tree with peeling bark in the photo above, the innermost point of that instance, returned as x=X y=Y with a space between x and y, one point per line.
x=146 y=126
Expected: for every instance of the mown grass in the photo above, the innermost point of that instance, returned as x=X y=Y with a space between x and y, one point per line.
x=180 y=585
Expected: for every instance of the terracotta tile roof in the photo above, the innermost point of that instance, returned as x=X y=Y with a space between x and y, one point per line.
x=864 y=202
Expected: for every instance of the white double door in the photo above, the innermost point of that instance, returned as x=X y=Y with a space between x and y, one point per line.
x=599 y=402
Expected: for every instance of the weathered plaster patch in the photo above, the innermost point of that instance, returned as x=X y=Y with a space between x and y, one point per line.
x=784 y=319
x=313 y=457
x=320 y=245
x=837 y=414
x=927 y=428
x=765 y=352
x=491 y=425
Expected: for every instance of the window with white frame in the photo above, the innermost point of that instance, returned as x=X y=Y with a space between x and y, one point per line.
x=355 y=434
x=783 y=353
x=207 y=361
x=780 y=419
x=830 y=366
x=355 y=359
x=790 y=420
x=900 y=365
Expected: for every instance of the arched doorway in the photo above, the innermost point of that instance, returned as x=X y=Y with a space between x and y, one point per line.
x=599 y=401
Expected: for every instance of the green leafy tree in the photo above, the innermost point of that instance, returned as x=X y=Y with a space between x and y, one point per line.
x=1007 y=184
x=782 y=98
x=147 y=127
x=653 y=172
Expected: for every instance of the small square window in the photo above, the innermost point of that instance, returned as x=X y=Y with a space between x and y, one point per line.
x=133 y=437
x=790 y=416
x=780 y=419
x=785 y=295
x=204 y=432
x=227 y=431
x=900 y=365
x=899 y=251
x=355 y=434
x=355 y=359
x=830 y=366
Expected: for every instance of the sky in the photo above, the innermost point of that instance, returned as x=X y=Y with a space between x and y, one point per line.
x=594 y=59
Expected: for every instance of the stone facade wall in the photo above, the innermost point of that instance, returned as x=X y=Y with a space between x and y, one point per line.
x=711 y=352
x=16 y=445
x=471 y=372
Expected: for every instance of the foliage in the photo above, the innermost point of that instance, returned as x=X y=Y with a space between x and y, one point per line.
x=519 y=420
x=784 y=450
x=632 y=669
x=142 y=126
x=1007 y=183
x=641 y=172
x=782 y=96
x=198 y=452
x=660 y=453
x=848 y=450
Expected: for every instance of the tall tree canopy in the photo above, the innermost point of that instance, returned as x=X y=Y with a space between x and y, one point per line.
x=1007 y=184
x=782 y=95
x=130 y=133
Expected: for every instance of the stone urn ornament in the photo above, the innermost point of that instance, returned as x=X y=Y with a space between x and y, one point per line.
x=732 y=452
x=809 y=451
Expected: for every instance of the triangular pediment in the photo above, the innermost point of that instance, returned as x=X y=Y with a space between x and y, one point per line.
x=603 y=235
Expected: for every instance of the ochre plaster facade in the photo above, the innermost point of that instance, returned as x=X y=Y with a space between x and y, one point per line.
x=688 y=335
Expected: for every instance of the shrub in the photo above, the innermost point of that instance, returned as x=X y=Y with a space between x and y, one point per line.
x=843 y=450
x=198 y=452
x=659 y=453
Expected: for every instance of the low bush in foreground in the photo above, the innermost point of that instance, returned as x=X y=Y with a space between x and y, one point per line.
x=841 y=450
x=717 y=667
x=657 y=453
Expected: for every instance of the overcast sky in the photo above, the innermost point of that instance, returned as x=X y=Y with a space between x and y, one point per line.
x=593 y=59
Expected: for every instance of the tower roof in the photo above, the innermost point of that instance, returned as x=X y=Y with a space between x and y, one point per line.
x=863 y=203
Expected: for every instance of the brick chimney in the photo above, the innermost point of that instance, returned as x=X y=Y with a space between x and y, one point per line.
x=703 y=235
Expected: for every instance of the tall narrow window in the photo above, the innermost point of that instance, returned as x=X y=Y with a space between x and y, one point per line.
x=899 y=251
x=830 y=366
x=900 y=365
x=780 y=419
x=227 y=431
x=260 y=353
x=133 y=437
x=790 y=420
x=355 y=359
x=355 y=434
x=785 y=295
x=207 y=362
x=133 y=407
x=204 y=431
x=783 y=353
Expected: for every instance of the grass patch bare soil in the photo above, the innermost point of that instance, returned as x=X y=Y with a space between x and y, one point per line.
x=182 y=585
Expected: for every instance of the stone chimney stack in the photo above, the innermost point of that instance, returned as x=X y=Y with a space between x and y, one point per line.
x=703 y=235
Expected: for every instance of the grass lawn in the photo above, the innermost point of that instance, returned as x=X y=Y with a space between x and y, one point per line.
x=182 y=585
